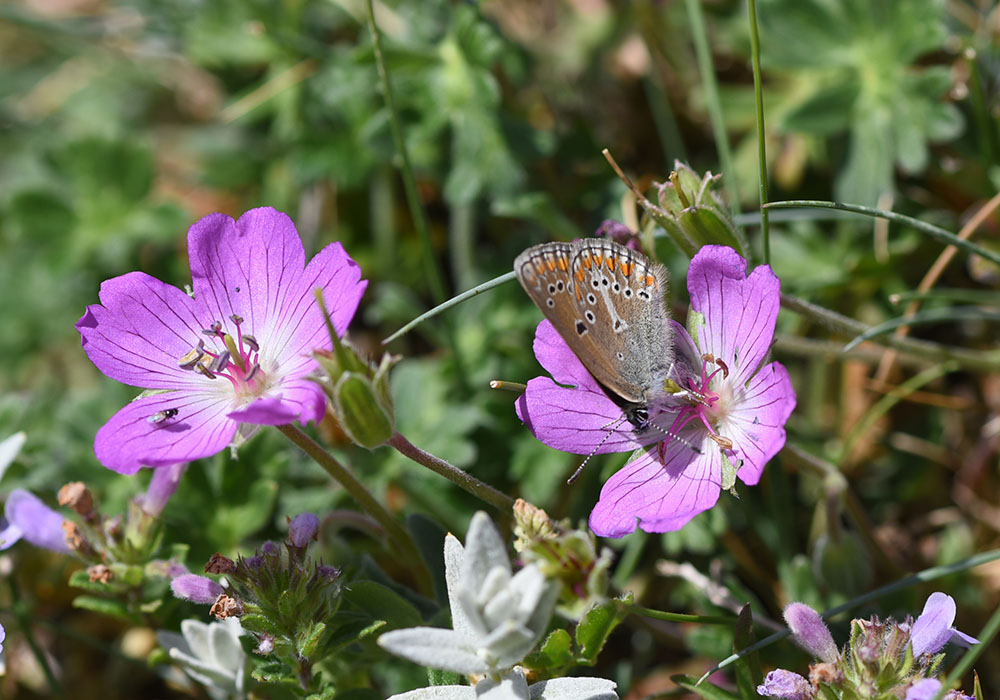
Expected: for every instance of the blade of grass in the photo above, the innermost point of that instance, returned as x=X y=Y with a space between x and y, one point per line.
x=935 y=232
x=952 y=313
x=713 y=104
x=434 y=277
x=761 y=141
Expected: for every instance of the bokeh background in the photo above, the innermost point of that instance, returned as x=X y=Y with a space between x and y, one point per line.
x=121 y=123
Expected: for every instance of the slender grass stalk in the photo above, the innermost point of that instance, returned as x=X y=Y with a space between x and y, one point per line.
x=710 y=85
x=948 y=315
x=681 y=617
x=396 y=533
x=935 y=572
x=933 y=352
x=434 y=277
x=935 y=232
x=761 y=141
x=468 y=294
x=477 y=488
x=25 y=621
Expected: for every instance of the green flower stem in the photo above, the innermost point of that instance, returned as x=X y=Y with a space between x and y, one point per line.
x=406 y=168
x=468 y=294
x=985 y=636
x=681 y=617
x=477 y=488
x=761 y=141
x=397 y=534
x=935 y=232
x=24 y=622
x=712 y=102
x=855 y=510
x=977 y=361
x=935 y=572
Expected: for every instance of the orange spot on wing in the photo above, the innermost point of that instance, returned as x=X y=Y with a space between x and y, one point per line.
x=627 y=268
x=611 y=262
x=649 y=280
x=563 y=263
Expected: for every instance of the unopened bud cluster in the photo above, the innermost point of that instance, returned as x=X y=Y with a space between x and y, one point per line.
x=280 y=594
x=563 y=554
x=117 y=548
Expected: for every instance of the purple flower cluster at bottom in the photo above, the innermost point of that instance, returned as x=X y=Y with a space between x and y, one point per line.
x=881 y=654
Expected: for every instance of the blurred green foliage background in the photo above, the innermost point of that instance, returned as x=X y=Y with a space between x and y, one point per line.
x=121 y=123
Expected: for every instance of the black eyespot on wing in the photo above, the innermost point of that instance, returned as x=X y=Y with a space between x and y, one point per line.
x=581 y=329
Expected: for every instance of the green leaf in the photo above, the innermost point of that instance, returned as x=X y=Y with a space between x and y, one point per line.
x=260 y=624
x=825 y=111
x=307 y=647
x=748 y=671
x=106 y=606
x=557 y=649
x=705 y=690
x=596 y=626
x=382 y=603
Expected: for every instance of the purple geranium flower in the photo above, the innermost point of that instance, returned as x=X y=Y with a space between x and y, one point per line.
x=729 y=408
x=933 y=629
x=235 y=355
x=26 y=516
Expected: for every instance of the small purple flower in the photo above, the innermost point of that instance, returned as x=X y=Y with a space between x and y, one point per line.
x=811 y=632
x=785 y=684
x=25 y=515
x=161 y=487
x=730 y=408
x=302 y=529
x=197 y=589
x=928 y=688
x=235 y=356
x=933 y=629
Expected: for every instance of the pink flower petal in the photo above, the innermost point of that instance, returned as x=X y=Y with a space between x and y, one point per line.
x=140 y=330
x=573 y=420
x=740 y=311
x=299 y=328
x=757 y=425
x=559 y=361
x=200 y=428
x=660 y=496
x=247 y=267
x=300 y=400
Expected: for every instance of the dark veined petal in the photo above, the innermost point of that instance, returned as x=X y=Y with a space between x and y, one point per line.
x=740 y=312
x=147 y=432
x=140 y=330
x=660 y=495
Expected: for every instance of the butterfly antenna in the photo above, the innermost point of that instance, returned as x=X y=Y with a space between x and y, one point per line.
x=670 y=435
x=612 y=426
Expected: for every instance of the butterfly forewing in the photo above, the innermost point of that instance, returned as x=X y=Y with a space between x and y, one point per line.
x=606 y=301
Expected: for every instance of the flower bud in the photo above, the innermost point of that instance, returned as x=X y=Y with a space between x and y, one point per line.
x=785 y=684
x=362 y=414
x=302 y=529
x=76 y=496
x=197 y=589
x=811 y=632
x=693 y=214
x=219 y=564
